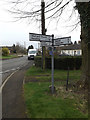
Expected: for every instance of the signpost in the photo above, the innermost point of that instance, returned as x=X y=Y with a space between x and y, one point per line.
x=52 y=64
x=40 y=37
x=62 y=41
x=46 y=44
x=48 y=40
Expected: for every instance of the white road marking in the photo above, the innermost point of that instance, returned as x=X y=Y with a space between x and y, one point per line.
x=2 y=72
x=6 y=81
x=24 y=81
x=9 y=70
x=1 y=87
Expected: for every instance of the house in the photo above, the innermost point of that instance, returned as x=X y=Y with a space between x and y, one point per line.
x=73 y=49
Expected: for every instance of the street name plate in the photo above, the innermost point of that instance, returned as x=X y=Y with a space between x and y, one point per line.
x=62 y=41
x=39 y=37
x=47 y=44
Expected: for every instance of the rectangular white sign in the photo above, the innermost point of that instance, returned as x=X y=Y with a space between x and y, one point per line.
x=47 y=44
x=82 y=0
x=39 y=37
x=62 y=41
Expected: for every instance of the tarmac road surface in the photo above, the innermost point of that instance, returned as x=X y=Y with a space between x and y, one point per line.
x=8 y=66
x=13 y=104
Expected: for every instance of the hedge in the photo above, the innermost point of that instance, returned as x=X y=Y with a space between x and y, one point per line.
x=38 y=61
x=60 y=63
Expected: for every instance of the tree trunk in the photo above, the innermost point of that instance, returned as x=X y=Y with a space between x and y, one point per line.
x=84 y=45
x=83 y=9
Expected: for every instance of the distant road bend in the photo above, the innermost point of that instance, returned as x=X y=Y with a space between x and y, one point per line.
x=9 y=66
x=12 y=64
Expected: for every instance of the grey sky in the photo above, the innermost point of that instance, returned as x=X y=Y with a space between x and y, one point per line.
x=18 y=32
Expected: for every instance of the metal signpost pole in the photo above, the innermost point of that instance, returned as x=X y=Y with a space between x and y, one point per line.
x=67 y=79
x=52 y=64
x=49 y=38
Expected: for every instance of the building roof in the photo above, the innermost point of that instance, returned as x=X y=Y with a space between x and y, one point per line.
x=71 y=47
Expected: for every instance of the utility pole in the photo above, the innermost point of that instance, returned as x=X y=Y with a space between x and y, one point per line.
x=43 y=31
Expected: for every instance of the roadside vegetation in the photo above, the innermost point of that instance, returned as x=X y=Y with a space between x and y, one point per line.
x=5 y=51
x=40 y=103
x=12 y=52
x=8 y=57
x=5 y=54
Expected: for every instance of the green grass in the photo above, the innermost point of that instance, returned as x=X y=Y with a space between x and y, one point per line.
x=40 y=103
x=74 y=75
x=36 y=71
x=8 y=57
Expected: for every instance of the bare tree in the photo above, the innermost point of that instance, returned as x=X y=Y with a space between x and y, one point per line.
x=31 y=10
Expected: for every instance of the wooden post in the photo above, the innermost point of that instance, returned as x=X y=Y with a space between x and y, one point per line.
x=43 y=31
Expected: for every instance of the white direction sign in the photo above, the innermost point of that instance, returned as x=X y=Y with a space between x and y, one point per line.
x=47 y=44
x=62 y=41
x=40 y=37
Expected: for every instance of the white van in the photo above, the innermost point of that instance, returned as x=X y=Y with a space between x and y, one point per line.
x=32 y=53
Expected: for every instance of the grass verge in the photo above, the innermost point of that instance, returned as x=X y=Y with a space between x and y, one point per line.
x=8 y=57
x=40 y=103
x=59 y=75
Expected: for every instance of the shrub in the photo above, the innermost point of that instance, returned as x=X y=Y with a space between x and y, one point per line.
x=5 y=51
x=38 y=61
x=0 y=51
x=61 y=63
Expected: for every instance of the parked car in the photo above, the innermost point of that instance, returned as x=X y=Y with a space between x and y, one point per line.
x=32 y=53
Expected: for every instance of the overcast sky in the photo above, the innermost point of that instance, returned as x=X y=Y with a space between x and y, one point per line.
x=18 y=32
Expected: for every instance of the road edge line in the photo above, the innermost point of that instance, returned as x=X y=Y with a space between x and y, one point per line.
x=1 y=87
x=24 y=81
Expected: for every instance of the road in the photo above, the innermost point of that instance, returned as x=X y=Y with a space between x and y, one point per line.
x=8 y=66
x=13 y=71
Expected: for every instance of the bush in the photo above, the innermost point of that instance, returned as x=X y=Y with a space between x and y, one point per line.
x=5 y=51
x=61 y=63
x=0 y=51
x=38 y=61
